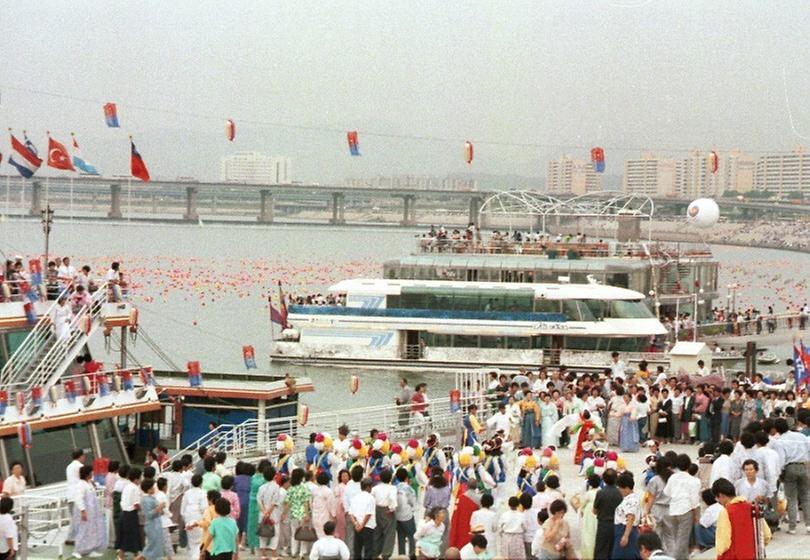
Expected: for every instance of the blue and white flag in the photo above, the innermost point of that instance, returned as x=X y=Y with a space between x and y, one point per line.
x=80 y=163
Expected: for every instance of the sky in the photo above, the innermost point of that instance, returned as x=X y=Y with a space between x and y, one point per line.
x=525 y=81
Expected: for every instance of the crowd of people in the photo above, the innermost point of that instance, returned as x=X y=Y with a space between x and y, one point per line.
x=497 y=492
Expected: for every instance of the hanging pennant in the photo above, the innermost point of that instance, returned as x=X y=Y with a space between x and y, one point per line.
x=148 y=377
x=3 y=402
x=24 y=435
x=712 y=162
x=111 y=115
x=230 y=130
x=598 y=159
x=30 y=314
x=70 y=391
x=303 y=414
x=250 y=357
x=20 y=402
x=103 y=384
x=354 y=384
x=354 y=143
x=126 y=380
x=53 y=393
x=468 y=152
x=455 y=400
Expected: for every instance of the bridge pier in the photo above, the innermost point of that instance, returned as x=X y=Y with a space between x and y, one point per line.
x=475 y=216
x=338 y=208
x=115 y=202
x=36 y=199
x=191 y=214
x=408 y=210
x=266 y=207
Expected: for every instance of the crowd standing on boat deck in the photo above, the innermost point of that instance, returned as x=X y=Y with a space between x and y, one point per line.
x=497 y=492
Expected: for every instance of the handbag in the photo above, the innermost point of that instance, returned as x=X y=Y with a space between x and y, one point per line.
x=266 y=529
x=693 y=429
x=305 y=533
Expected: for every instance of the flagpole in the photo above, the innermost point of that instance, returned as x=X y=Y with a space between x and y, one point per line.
x=8 y=194
x=129 y=198
x=71 y=201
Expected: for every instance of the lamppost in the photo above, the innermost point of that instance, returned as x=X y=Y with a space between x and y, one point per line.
x=697 y=295
x=732 y=296
x=47 y=221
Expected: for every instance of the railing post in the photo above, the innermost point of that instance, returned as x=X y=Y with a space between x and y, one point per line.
x=24 y=531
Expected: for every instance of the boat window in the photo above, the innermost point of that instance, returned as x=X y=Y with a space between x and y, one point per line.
x=581 y=342
x=465 y=341
x=541 y=341
x=626 y=309
x=518 y=342
x=577 y=310
x=543 y=305
x=491 y=342
x=596 y=307
x=620 y=280
x=392 y=301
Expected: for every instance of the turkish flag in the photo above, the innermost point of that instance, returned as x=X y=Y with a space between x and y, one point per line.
x=58 y=156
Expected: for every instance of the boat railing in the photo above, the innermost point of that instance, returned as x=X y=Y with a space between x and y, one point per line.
x=747 y=327
x=254 y=438
x=47 y=371
x=44 y=516
x=21 y=361
x=459 y=314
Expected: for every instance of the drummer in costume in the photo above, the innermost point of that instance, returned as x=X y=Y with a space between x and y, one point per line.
x=472 y=427
x=325 y=459
x=434 y=455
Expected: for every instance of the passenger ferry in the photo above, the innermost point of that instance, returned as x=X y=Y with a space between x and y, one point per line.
x=468 y=323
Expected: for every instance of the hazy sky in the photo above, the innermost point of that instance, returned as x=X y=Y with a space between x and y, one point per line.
x=626 y=75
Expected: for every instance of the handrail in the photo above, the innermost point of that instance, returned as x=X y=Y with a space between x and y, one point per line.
x=31 y=345
x=43 y=373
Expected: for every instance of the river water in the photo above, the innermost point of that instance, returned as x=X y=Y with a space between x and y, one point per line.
x=202 y=290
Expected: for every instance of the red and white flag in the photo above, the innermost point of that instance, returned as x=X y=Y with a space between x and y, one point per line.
x=58 y=156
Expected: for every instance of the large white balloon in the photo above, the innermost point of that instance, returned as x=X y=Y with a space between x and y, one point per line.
x=703 y=213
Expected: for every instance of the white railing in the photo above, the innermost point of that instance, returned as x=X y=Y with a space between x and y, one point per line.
x=53 y=364
x=43 y=517
x=252 y=438
x=31 y=347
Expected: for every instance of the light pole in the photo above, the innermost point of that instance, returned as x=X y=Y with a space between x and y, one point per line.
x=654 y=295
x=732 y=296
x=694 y=332
x=47 y=221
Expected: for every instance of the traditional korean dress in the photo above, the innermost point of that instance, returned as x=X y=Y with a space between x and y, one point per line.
x=152 y=528
x=90 y=535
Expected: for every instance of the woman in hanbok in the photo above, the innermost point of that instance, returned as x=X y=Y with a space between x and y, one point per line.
x=343 y=479
x=152 y=521
x=550 y=415
x=735 y=415
x=615 y=416
x=664 y=431
x=256 y=482
x=530 y=429
x=62 y=315
x=749 y=413
x=589 y=522
x=241 y=485
x=628 y=434
x=89 y=524
x=324 y=504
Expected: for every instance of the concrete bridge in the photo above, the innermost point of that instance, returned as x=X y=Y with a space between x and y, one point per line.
x=191 y=199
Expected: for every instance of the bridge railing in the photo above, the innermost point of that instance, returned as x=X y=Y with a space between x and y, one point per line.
x=747 y=327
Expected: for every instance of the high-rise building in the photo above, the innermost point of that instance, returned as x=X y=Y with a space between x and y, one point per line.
x=696 y=180
x=572 y=176
x=738 y=172
x=784 y=174
x=256 y=168
x=650 y=175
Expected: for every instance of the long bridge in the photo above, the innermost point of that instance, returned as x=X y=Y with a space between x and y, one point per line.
x=119 y=198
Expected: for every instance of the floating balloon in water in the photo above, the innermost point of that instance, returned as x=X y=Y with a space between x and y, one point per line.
x=703 y=213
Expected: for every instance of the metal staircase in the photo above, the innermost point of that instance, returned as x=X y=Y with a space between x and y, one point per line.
x=35 y=345
x=54 y=357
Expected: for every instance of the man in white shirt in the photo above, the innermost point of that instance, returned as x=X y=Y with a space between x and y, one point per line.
x=73 y=482
x=66 y=273
x=706 y=529
x=385 y=499
x=500 y=421
x=362 y=510
x=723 y=466
x=617 y=366
x=352 y=489
x=683 y=491
x=15 y=483
x=751 y=486
x=192 y=508
x=342 y=443
x=9 y=535
x=769 y=462
x=328 y=546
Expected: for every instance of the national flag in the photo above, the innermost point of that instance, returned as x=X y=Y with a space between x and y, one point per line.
x=801 y=363
x=278 y=317
x=79 y=162
x=111 y=115
x=58 y=156
x=24 y=157
x=138 y=167
x=354 y=143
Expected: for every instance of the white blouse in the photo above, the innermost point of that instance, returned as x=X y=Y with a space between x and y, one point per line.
x=630 y=506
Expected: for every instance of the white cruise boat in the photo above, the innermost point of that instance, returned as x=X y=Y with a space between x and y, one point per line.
x=468 y=323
